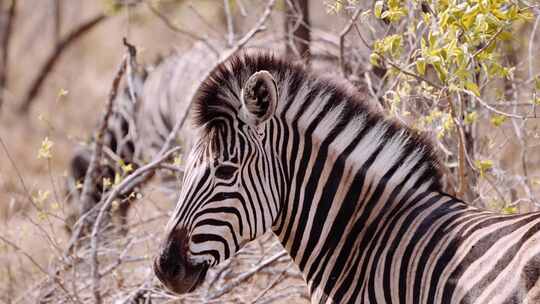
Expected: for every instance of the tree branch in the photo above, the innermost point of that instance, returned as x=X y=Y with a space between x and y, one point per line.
x=259 y=26
x=94 y=239
x=6 y=38
x=179 y=30
x=342 y=35
x=51 y=61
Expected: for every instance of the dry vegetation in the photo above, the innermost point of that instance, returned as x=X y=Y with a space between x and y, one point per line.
x=490 y=143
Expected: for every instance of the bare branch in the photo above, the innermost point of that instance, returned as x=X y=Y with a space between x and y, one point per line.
x=6 y=38
x=90 y=179
x=230 y=25
x=19 y=175
x=342 y=35
x=177 y=29
x=259 y=26
x=94 y=240
x=57 y=12
x=298 y=31
x=29 y=257
x=531 y=45
x=248 y=274
x=51 y=61
x=408 y=73
x=492 y=109
x=490 y=41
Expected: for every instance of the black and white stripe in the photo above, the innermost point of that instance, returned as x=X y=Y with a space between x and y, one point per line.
x=165 y=98
x=354 y=198
x=120 y=149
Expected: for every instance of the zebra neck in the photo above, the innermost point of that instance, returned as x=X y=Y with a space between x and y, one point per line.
x=344 y=172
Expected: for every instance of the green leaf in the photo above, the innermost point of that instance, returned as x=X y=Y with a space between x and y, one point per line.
x=483 y=166
x=421 y=66
x=471 y=117
x=473 y=87
x=498 y=120
x=378 y=9
x=441 y=71
x=509 y=210
x=374 y=59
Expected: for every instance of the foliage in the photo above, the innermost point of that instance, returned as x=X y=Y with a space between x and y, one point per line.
x=445 y=61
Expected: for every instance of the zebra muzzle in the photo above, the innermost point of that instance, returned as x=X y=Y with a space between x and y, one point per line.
x=172 y=267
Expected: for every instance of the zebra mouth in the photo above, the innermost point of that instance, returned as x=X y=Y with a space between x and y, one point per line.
x=181 y=278
x=174 y=269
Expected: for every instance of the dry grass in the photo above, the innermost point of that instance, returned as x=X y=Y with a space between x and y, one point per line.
x=85 y=70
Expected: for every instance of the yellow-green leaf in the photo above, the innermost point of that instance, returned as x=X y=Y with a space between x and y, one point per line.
x=471 y=117
x=45 y=149
x=483 y=166
x=421 y=66
x=473 y=87
x=378 y=9
x=374 y=59
x=509 y=210
x=498 y=120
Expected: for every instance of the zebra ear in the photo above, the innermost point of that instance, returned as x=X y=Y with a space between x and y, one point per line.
x=259 y=98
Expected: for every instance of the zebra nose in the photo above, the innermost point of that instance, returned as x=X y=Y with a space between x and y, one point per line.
x=169 y=265
x=172 y=267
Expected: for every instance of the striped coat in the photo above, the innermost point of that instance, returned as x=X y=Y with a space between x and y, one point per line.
x=354 y=198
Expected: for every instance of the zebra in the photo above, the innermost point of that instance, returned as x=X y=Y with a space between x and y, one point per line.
x=120 y=146
x=166 y=93
x=355 y=198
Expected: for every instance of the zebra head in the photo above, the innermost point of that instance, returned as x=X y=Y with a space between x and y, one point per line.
x=229 y=196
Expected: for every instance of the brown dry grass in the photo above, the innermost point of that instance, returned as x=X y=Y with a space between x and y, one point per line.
x=85 y=71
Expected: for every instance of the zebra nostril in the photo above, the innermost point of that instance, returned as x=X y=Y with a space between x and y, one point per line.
x=170 y=263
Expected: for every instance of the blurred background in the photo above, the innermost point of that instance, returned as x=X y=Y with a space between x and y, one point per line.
x=59 y=59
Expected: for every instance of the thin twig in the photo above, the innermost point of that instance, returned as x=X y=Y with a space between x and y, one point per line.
x=94 y=239
x=342 y=35
x=28 y=256
x=242 y=8
x=57 y=21
x=36 y=264
x=462 y=151
x=531 y=45
x=364 y=41
x=248 y=274
x=490 y=41
x=402 y=70
x=89 y=186
x=90 y=179
x=19 y=175
x=51 y=61
x=6 y=38
x=230 y=25
x=168 y=23
x=259 y=26
x=492 y=109
x=298 y=32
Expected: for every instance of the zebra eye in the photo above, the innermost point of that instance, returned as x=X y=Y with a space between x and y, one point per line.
x=225 y=171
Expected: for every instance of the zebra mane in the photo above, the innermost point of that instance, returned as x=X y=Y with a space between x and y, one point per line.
x=218 y=100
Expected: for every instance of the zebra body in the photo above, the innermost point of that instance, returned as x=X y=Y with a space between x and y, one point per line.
x=353 y=197
x=165 y=98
